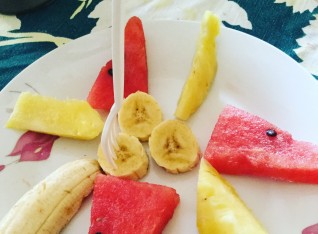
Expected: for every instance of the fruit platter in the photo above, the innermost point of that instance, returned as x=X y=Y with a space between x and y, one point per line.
x=251 y=75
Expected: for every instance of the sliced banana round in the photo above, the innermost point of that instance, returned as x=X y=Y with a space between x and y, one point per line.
x=174 y=147
x=132 y=161
x=139 y=114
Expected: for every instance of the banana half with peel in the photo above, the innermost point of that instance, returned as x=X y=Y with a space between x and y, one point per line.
x=174 y=147
x=51 y=204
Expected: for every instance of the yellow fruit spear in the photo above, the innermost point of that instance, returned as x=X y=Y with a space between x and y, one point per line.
x=70 y=118
x=219 y=207
x=204 y=67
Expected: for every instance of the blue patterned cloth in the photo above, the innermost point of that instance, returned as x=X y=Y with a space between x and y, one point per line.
x=290 y=25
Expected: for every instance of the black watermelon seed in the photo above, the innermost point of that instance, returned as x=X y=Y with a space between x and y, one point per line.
x=110 y=71
x=271 y=133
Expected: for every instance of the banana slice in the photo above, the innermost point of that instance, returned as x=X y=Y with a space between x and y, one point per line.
x=139 y=114
x=132 y=161
x=51 y=204
x=174 y=147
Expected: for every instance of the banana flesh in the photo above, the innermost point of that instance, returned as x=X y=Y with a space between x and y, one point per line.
x=139 y=114
x=51 y=204
x=131 y=159
x=174 y=147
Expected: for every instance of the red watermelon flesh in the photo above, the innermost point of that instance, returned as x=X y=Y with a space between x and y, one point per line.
x=239 y=145
x=132 y=207
x=101 y=95
x=136 y=70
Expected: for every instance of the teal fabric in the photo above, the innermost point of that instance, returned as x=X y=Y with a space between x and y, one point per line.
x=53 y=19
x=276 y=24
x=280 y=24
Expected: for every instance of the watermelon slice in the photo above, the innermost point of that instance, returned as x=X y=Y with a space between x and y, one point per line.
x=136 y=70
x=127 y=206
x=101 y=95
x=245 y=144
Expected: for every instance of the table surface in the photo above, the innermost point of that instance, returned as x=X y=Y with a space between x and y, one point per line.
x=290 y=25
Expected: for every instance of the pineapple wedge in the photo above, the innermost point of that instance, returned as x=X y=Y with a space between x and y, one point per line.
x=71 y=118
x=204 y=67
x=219 y=208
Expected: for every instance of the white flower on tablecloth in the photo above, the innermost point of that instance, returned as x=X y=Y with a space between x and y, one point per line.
x=227 y=11
x=102 y=12
x=300 y=5
x=309 y=46
x=9 y=23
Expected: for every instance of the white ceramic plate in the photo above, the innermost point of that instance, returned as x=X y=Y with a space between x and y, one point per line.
x=252 y=75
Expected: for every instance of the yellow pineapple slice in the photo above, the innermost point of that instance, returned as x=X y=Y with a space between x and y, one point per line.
x=219 y=208
x=70 y=118
x=204 y=67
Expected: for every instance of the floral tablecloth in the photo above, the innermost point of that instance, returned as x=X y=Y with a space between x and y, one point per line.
x=290 y=25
